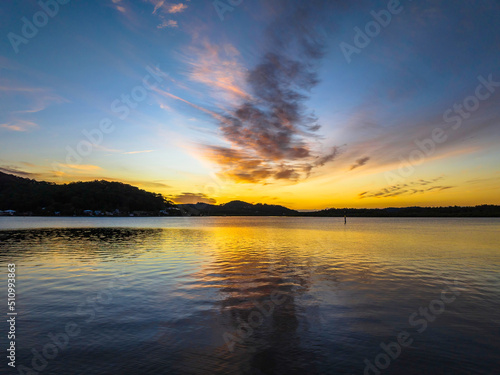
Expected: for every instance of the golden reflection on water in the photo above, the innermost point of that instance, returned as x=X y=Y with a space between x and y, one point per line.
x=191 y=284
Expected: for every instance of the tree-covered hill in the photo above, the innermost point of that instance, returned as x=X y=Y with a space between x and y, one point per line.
x=46 y=198
x=452 y=211
x=30 y=197
x=236 y=208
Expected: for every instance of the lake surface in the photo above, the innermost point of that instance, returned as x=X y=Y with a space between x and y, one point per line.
x=261 y=295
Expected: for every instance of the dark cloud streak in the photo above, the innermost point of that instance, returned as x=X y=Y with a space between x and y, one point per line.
x=270 y=134
x=18 y=172
x=410 y=188
x=360 y=162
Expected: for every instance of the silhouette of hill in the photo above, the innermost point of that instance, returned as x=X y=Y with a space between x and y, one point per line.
x=28 y=196
x=452 y=211
x=236 y=208
x=31 y=197
x=239 y=208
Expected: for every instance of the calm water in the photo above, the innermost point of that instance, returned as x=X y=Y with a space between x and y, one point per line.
x=254 y=295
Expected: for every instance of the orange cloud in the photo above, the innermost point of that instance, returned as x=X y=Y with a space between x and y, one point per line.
x=219 y=68
x=81 y=167
x=177 y=8
x=265 y=121
x=163 y=7
x=19 y=125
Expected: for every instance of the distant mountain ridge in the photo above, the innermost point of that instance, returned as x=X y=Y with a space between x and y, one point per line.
x=236 y=208
x=239 y=208
x=452 y=211
x=23 y=196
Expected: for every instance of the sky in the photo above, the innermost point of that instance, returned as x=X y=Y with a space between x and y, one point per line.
x=307 y=104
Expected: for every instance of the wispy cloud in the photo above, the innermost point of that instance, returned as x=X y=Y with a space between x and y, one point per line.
x=164 y=10
x=167 y=23
x=106 y=149
x=360 y=162
x=168 y=95
x=21 y=89
x=117 y=151
x=220 y=69
x=41 y=102
x=137 y=152
x=35 y=172
x=145 y=184
x=17 y=172
x=410 y=188
x=19 y=125
x=162 y=6
x=81 y=167
x=157 y=4
x=29 y=100
x=119 y=5
x=177 y=8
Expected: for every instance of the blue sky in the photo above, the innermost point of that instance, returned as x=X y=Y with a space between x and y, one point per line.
x=260 y=104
